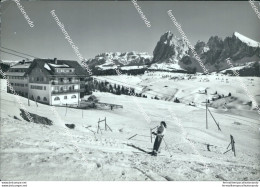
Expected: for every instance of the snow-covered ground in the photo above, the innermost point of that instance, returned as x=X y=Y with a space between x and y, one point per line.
x=189 y=88
x=38 y=152
x=166 y=66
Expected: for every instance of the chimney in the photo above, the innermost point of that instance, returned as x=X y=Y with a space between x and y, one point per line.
x=23 y=62
x=55 y=61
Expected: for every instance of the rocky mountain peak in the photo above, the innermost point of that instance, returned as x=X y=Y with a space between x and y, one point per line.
x=169 y=48
x=173 y=50
x=215 y=42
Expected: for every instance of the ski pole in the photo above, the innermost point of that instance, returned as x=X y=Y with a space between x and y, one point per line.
x=167 y=147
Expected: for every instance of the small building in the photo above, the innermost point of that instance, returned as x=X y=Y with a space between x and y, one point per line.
x=17 y=77
x=49 y=81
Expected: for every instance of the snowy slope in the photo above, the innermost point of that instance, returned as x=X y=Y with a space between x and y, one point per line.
x=247 y=65
x=247 y=40
x=37 y=152
x=166 y=67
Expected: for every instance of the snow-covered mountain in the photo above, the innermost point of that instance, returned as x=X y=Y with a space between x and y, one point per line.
x=173 y=54
x=168 y=52
x=170 y=49
x=246 y=40
x=239 y=48
x=105 y=61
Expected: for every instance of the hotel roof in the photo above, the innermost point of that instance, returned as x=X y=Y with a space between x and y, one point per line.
x=79 y=70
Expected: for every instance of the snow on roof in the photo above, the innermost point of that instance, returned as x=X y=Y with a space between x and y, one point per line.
x=247 y=40
x=46 y=66
x=15 y=73
x=26 y=65
x=59 y=65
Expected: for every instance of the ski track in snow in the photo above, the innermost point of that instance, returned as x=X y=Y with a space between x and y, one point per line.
x=32 y=151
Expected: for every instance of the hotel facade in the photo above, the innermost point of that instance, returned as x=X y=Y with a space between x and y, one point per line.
x=49 y=81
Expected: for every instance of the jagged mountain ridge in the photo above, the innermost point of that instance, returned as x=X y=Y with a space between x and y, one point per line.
x=112 y=60
x=173 y=54
x=213 y=54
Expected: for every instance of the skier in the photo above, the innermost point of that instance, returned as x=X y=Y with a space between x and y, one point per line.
x=159 y=136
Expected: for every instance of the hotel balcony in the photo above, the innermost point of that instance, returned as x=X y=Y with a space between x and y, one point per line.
x=55 y=82
x=56 y=92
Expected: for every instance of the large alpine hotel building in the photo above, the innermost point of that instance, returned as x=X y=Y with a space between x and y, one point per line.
x=49 y=81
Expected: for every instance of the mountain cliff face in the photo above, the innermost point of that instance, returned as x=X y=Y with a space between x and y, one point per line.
x=105 y=61
x=173 y=54
x=238 y=48
x=168 y=52
x=169 y=49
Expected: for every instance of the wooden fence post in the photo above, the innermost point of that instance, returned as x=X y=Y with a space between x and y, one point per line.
x=214 y=120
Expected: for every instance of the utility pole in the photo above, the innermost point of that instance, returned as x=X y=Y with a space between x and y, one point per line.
x=28 y=90
x=206 y=114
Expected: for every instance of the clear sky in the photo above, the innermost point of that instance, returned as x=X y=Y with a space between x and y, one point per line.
x=113 y=26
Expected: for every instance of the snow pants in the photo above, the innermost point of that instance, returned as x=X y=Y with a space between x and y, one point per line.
x=157 y=143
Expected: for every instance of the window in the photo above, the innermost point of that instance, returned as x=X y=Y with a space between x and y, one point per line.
x=44 y=99
x=37 y=78
x=56 y=98
x=65 y=97
x=38 y=98
x=44 y=87
x=36 y=87
x=74 y=96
